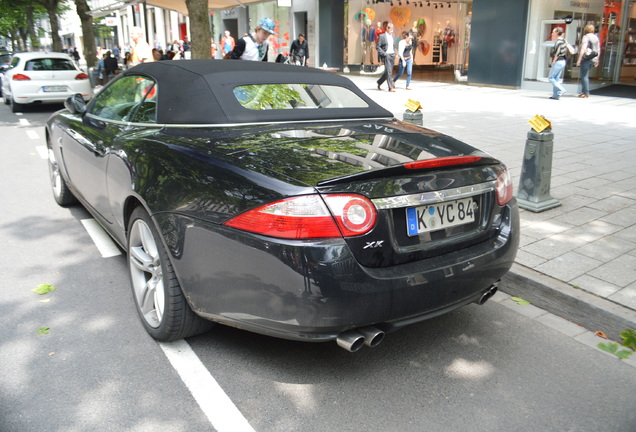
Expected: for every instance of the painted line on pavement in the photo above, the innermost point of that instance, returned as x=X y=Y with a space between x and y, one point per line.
x=24 y=122
x=44 y=154
x=32 y=134
x=216 y=405
x=104 y=243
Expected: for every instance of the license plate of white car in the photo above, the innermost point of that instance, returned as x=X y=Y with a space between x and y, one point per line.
x=439 y=216
x=49 y=89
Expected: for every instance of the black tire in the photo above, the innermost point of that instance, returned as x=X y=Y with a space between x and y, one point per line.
x=164 y=310
x=16 y=107
x=62 y=194
x=6 y=100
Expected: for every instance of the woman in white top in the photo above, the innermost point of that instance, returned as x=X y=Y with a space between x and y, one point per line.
x=589 y=52
x=405 y=51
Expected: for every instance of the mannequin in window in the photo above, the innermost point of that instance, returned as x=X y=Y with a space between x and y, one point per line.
x=368 y=39
x=448 y=39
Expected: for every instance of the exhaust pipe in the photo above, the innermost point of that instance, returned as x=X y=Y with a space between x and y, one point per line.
x=372 y=336
x=350 y=340
x=485 y=296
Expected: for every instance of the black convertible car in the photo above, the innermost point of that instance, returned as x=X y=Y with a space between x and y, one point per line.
x=281 y=200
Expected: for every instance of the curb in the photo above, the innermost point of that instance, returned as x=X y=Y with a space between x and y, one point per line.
x=588 y=310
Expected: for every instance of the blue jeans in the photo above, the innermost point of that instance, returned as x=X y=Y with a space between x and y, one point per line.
x=586 y=65
x=556 y=78
x=409 y=71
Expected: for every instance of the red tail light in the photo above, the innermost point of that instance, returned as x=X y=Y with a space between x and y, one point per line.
x=441 y=162
x=20 y=77
x=307 y=216
x=504 y=188
x=81 y=76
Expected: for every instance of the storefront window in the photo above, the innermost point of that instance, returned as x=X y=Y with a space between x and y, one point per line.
x=573 y=16
x=442 y=29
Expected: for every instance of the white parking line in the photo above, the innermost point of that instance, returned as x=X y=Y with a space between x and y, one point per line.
x=32 y=134
x=216 y=405
x=44 y=154
x=104 y=243
x=24 y=122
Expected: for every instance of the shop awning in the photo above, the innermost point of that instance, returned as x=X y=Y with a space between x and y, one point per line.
x=180 y=5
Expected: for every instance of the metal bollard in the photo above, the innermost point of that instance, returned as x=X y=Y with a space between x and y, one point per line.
x=413 y=117
x=534 y=185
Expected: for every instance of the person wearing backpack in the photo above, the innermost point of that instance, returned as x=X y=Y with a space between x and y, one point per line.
x=558 y=54
x=589 y=51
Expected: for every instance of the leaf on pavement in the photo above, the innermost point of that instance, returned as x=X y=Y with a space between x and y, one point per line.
x=601 y=334
x=44 y=289
x=43 y=330
x=520 y=301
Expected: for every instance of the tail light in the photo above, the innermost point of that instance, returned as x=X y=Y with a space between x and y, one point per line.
x=81 y=76
x=504 y=187
x=20 y=77
x=307 y=217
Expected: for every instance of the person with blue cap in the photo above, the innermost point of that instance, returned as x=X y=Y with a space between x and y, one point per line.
x=254 y=47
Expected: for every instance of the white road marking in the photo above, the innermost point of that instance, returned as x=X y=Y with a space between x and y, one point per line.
x=24 y=122
x=44 y=154
x=32 y=134
x=104 y=243
x=216 y=405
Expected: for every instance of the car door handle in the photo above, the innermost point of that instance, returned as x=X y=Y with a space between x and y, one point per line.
x=97 y=148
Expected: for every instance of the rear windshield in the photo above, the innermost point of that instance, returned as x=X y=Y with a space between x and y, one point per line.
x=296 y=96
x=49 y=64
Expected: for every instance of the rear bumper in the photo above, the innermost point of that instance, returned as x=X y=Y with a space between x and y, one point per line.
x=313 y=291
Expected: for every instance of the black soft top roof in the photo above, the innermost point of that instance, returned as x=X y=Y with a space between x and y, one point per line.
x=201 y=91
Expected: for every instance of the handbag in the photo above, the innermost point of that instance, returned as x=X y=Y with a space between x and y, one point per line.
x=590 y=53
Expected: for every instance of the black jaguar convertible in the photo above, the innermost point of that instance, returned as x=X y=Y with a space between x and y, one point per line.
x=281 y=200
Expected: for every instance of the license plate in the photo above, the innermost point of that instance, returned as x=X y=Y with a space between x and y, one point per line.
x=54 y=89
x=440 y=216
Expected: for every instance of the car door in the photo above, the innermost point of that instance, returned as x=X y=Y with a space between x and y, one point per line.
x=89 y=146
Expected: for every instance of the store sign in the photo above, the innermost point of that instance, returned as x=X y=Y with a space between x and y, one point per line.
x=110 y=21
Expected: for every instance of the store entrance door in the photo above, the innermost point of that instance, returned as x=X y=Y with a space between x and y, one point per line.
x=628 y=64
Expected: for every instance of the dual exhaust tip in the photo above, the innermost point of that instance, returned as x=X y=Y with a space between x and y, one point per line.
x=353 y=340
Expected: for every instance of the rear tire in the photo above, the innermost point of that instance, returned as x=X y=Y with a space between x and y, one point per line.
x=164 y=310
x=16 y=107
x=62 y=194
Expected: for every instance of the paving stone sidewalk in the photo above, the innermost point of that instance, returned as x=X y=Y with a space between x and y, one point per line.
x=589 y=241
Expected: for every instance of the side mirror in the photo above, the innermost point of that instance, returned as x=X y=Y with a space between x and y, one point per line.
x=75 y=104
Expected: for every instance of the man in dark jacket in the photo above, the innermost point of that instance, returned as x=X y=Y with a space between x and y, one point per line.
x=300 y=51
x=386 y=51
x=110 y=66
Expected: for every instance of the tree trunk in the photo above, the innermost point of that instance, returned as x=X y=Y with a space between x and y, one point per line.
x=35 y=40
x=199 y=28
x=51 y=9
x=88 y=32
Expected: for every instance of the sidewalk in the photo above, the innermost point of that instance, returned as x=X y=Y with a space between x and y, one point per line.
x=580 y=257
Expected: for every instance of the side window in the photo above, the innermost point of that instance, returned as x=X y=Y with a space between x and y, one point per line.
x=121 y=100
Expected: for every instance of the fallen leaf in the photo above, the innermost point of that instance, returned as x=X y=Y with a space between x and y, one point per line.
x=520 y=301
x=44 y=301
x=44 y=289
x=43 y=330
x=601 y=334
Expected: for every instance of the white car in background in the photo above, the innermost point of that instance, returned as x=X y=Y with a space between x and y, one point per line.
x=40 y=77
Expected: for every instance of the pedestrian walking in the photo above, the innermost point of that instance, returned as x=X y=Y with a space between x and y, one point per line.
x=405 y=53
x=299 y=51
x=141 y=51
x=589 y=51
x=386 y=51
x=227 y=43
x=557 y=53
x=254 y=46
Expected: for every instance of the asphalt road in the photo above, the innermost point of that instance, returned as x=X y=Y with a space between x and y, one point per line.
x=481 y=368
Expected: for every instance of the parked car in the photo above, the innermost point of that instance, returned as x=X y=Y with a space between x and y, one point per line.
x=40 y=77
x=281 y=200
x=5 y=61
